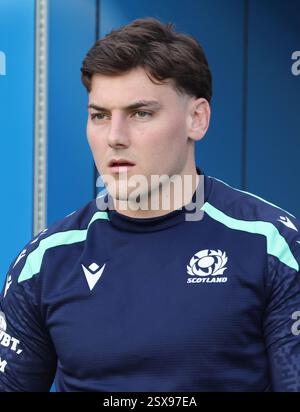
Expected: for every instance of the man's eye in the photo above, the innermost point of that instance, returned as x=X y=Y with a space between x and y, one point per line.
x=140 y=114
x=97 y=116
x=143 y=114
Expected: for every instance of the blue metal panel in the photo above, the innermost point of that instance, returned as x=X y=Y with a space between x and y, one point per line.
x=219 y=27
x=16 y=127
x=70 y=164
x=274 y=103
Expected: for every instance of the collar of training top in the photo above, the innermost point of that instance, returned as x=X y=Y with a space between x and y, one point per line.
x=153 y=224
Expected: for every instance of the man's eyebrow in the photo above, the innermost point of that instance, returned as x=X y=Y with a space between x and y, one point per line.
x=136 y=105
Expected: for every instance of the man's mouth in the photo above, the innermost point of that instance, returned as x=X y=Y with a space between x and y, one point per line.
x=120 y=165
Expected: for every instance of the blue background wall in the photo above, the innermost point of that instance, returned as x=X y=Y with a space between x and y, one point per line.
x=16 y=128
x=70 y=163
x=273 y=100
x=253 y=141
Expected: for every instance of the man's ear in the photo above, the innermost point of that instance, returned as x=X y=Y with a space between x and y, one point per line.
x=198 y=119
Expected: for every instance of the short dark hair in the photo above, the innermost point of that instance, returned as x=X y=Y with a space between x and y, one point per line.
x=158 y=49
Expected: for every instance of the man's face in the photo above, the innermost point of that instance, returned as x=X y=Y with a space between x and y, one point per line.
x=149 y=139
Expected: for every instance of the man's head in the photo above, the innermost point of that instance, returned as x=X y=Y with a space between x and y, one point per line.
x=146 y=61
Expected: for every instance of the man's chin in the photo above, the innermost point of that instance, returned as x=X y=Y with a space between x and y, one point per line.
x=132 y=201
x=125 y=197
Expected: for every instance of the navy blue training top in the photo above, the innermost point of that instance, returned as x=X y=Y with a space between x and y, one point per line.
x=105 y=302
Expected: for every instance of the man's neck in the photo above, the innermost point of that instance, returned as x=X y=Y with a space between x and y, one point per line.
x=164 y=200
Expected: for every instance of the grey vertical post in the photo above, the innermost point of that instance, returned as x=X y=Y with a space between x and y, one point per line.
x=40 y=138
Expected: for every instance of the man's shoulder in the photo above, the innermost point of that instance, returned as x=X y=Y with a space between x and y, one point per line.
x=241 y=204
x=79 y=219
x=75 y=222
x=249 y=211
x=69 y=230
x=244 y=211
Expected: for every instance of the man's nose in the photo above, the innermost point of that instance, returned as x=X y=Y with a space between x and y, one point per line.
x=118 y=133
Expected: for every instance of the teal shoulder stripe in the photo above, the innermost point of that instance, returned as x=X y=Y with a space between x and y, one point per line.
x=253 y=195
x=34 y=259
x=97 y=216
x=276 y=243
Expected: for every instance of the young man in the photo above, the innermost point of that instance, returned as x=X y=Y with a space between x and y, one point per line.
x=125 y=296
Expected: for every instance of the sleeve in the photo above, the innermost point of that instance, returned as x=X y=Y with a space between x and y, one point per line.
x=27 y=355
x=282 y=317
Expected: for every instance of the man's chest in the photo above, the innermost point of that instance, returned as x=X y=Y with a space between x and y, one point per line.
x=148 y=302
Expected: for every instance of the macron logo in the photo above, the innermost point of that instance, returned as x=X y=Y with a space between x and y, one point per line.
x=21 y=255
x=92 y=274
x=286 y=221
x=7 y=285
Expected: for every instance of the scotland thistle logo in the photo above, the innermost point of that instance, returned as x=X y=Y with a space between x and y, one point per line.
x=207 y=263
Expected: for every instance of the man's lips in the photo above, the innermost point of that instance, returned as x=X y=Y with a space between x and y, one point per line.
x=119 y=165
